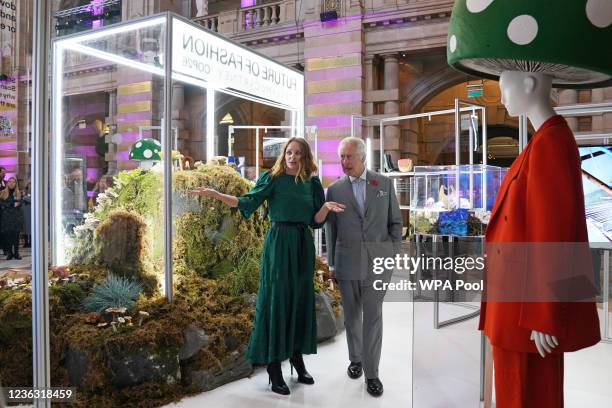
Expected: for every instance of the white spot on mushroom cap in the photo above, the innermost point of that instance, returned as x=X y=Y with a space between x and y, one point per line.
x=523 y=29
x=138 y=145
x=599 y=12
x=147 y=154
x=476 y=6
x=453 y=43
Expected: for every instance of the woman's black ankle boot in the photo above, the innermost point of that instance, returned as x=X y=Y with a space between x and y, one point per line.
x=297 y=362
x=275 y=376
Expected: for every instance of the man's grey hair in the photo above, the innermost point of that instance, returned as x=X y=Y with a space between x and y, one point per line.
x=357 y=142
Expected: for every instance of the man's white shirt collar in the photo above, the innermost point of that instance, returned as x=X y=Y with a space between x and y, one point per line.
x=363 y=176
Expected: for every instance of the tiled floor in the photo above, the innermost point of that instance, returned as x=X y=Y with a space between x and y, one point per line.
x=14 y=267
x=446 y=371
x=445 y=367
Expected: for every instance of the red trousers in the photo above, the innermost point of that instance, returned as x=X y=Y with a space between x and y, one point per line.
x=526 y=380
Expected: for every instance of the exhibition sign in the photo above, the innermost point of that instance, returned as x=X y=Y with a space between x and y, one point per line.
x=205 y=56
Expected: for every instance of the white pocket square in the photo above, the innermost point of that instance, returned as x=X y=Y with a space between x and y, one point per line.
x=382 y=193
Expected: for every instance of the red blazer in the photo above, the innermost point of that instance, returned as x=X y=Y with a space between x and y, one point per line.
x=540 y=200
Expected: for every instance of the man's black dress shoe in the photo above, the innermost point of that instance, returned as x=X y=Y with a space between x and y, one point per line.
x=374 y=386
x=354 y=370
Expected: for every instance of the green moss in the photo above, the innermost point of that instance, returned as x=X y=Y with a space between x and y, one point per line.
x=216 y=271
x=120 y=245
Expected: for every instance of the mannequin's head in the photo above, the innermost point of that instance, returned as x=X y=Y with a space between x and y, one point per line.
x=527 y=93
x=522 y=92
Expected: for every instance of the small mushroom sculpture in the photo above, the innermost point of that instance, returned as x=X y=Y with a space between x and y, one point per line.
x=147 y=152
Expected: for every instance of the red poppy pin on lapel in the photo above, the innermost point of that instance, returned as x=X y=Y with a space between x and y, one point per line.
x=373 y=182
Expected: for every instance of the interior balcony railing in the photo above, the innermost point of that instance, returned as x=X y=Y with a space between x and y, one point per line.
x=248 y=19
x=86 y=17
x=264 y=15
x=210 y=22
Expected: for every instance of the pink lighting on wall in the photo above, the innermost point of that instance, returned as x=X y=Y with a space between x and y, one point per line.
x=331 y=121
x=332 y=171
x=8 y=162
x=329 y=145
x=96 y=7
x=87 y=151
x=247 y=3
x=93 y=175
x=334 y=97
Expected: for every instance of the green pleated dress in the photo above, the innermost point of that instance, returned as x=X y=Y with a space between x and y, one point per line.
x=285 y=320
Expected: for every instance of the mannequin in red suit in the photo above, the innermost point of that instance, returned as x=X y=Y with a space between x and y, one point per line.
x=540 y=200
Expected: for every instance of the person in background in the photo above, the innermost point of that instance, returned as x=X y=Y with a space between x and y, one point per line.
x=2 y=182
x=77 y=187
x=104 y=183
x=12 y=218
x=26 y=208
x=2 y=187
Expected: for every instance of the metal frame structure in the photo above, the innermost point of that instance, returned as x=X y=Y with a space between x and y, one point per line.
x=589 y=109
x=79 y=43
x=41 y=350
x=458 y=109
x=174 y=131
x=308 y=130
x=40 y=153
x=470 y=107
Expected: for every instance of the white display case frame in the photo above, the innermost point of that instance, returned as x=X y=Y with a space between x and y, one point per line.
x=184 y=60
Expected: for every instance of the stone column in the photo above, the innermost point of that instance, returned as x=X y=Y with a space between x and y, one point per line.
x=607 y=117
x=597 y=96
x=569 y=97
x=112 y=147
x=178 y=105
x=392 y=130
x=369 y=87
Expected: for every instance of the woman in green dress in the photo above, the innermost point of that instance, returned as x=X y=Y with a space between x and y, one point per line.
x=285 y=325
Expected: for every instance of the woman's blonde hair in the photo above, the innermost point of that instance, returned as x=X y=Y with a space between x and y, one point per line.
x=5 y=193
x=307 y=167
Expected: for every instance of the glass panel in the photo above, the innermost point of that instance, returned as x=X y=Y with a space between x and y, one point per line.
x=453 y=200
x=15 y=197
x=446 y=361
x=140 y=44
x=108 y=159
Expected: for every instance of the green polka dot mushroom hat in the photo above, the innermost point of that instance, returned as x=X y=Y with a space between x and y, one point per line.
x=570 y=40
x=147 y=152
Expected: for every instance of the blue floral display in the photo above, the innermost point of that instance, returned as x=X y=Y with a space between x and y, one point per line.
x=453 y=222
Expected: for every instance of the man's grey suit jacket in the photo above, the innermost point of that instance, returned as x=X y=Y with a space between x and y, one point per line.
x=353 y=241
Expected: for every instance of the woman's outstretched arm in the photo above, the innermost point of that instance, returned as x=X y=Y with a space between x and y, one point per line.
x=227 y=199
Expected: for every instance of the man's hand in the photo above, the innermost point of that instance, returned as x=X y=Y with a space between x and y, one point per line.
x=544 y=342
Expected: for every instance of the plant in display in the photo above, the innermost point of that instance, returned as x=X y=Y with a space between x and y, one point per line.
x=120 y=342
x=116 y=292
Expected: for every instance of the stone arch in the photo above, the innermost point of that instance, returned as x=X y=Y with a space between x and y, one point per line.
x=430 y=85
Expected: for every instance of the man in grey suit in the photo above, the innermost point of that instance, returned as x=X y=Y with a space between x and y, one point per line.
x=369 y=227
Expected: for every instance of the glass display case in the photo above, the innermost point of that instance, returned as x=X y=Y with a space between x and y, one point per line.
x=453 y=200
x=137 y=108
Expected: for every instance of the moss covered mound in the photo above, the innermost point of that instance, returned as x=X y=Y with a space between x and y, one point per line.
x=216 y=268
x=212 y=239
